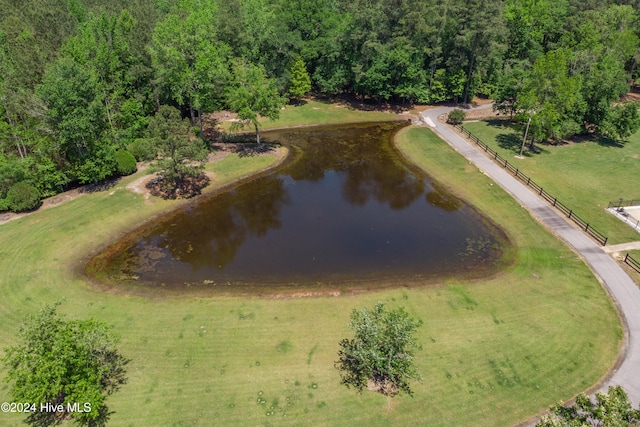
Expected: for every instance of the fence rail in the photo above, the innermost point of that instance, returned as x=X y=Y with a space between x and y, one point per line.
x=586 y=227
x=632 y=262
x=623 y=203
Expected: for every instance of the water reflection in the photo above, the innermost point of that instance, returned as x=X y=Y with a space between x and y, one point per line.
x=344 y=208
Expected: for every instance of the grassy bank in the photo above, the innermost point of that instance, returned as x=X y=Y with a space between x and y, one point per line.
x=585 y=176
x=494 y=351
x=318 y=113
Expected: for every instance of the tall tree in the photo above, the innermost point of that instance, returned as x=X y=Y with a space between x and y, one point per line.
x=103 y=45
x=252 y=94
x=68 y=366
x=77 y=116
x=188 y=61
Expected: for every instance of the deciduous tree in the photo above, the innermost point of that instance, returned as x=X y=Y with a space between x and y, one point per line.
x=610 y=409
x=253 y=94
x=72 y=363
x=380 y=356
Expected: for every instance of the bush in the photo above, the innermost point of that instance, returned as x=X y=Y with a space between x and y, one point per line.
x=143 y=149
x=125 y=162
x=23 y=197
x=456 y=116
x=4 y=205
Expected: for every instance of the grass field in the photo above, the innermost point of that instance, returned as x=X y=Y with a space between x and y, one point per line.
x=494 y=351
x=585 y=176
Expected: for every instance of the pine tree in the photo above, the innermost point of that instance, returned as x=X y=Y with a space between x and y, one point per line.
x=300 y=83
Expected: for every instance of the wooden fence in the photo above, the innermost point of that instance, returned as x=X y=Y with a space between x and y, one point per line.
x=632 y=262
x=599 y=237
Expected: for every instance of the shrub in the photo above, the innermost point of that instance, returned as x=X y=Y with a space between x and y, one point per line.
x=143 y=149
x=23 y=197
x=126 y=163
x=456 y=116
x=4 y=205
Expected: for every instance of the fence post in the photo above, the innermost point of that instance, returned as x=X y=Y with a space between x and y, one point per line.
x=528 y=180
x=605 y=241
x=516 y=172
x=570 y=213
x=586 y=228
x=625 y=257
x=495 y=157
x=540 y=192
x=554 y=201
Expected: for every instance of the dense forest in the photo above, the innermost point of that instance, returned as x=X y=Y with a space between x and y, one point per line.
x=80 y=80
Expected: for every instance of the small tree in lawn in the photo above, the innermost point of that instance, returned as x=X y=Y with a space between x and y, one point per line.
x=179 y=156
x=252 y=94
x=300 y=83
x=69 y=365
x=380 y=356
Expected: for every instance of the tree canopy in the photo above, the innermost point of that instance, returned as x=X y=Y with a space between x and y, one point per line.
x=67 y=366
x=380 y=356
x=80 y=79
x=610 y=409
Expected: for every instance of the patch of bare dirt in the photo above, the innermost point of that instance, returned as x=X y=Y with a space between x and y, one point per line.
x=186 y=188
x=382 y=385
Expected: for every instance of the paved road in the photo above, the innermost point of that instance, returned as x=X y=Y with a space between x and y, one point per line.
x=621 y=287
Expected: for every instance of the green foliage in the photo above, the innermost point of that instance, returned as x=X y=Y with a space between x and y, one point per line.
x=381 y=354
x=23 y=197
x=77 y=115
x=253 y=94
x=126 y=163
x=621 y=121
x=189 y=62
x=143 y=149
x=610 y=409
x=456 y=116
x=179 y=157
x=61 y=362
x=80 y=79
x=300 y=83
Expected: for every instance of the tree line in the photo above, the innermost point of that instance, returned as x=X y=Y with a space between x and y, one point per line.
x=80 y=80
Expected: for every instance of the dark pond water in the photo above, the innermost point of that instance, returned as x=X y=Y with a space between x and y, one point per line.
x=345 y=208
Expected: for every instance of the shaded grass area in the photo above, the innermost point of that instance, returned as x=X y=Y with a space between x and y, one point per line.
x=494 y=351
x=318 y=113
x=585 y=176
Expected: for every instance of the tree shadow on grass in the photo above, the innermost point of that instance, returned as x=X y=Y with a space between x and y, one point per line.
x=609 y=142
x=249 y=149
x=504 y=124
x=509 y=141
x=100 y=186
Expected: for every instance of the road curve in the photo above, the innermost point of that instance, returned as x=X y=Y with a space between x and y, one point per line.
x=623 y=290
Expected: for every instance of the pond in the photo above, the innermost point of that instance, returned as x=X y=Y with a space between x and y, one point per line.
x=344 y=211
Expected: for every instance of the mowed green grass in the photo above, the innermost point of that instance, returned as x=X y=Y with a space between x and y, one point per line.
x=585 y=176
x=313 y=112
x=495 y=351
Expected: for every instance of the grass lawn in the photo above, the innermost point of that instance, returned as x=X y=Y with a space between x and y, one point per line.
x=585 y=176
x=318 y=113
x=494 y=351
